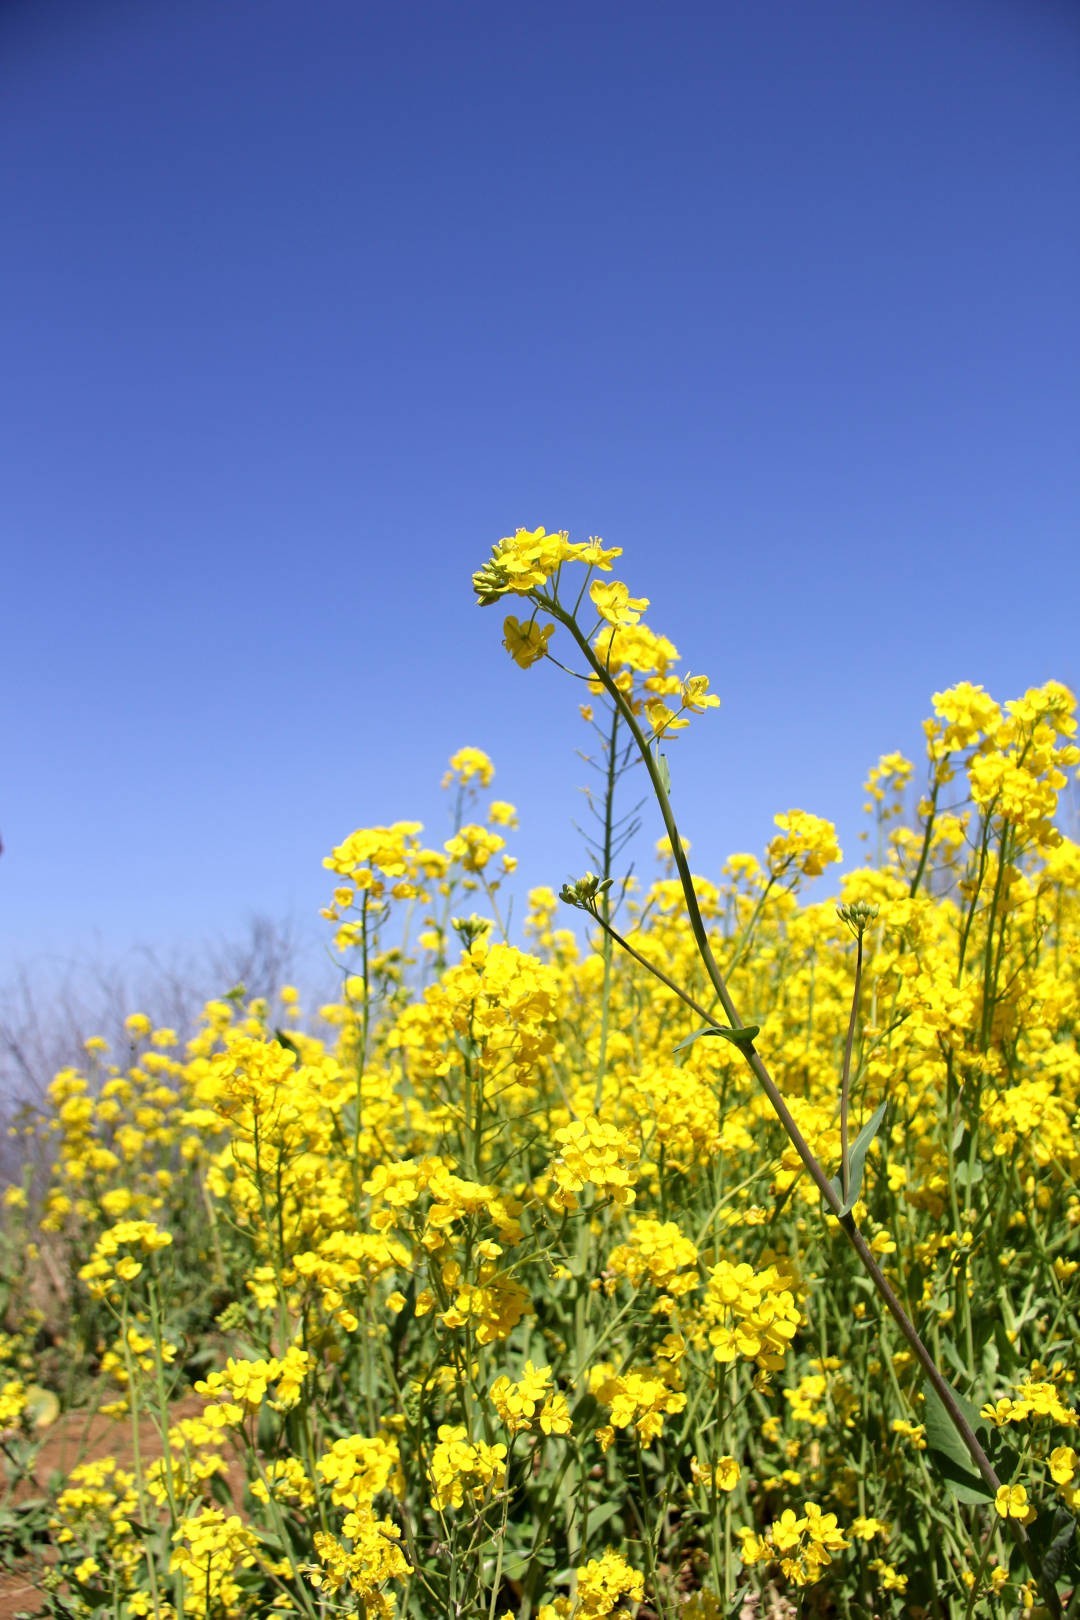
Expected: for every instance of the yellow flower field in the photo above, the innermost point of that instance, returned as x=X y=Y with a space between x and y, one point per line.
x=719 y=1260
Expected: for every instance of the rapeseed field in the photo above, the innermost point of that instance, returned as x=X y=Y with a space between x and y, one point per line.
x=713 y=1251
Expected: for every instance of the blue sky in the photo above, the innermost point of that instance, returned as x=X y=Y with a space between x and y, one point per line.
x=305 y=305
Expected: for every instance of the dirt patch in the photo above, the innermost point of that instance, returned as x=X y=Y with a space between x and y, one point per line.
x=19 y=1594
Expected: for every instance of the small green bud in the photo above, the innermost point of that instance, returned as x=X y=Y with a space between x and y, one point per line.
x=585 y=892
x=490 y=583
x=470 y=929
x=858 y=915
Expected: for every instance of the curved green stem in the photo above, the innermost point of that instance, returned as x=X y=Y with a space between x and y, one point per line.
x=810 y=1162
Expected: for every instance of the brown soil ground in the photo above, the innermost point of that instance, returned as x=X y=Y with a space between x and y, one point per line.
x=19 y=1594
x=20 y=1587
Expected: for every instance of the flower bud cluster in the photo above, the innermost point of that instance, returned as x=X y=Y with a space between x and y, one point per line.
x=585 y=892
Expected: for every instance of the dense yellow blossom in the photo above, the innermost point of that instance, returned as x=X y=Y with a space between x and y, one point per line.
x=501 y=1293
x=460 y=1468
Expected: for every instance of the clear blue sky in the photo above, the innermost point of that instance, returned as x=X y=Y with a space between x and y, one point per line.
x=306 y=304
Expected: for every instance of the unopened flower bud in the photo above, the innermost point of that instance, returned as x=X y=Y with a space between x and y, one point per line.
x=490 y=583
x=857 y=914
x=585 y=892
x=470 y=929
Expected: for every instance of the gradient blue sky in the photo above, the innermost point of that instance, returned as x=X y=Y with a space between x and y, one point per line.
x=306 y=304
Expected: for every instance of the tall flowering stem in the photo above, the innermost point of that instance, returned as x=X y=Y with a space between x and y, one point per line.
x=525 y=566
x=810 y=1162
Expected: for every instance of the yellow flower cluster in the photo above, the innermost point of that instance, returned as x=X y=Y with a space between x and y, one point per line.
x=805 y=844
x=532 y=1400
x=626 y=651
x=751 y=1314
x=12 y=1403
x=241 y=1387
x=469 y=766
x=362 y=1561
x=1034 y=1399
x=527 y=559
x=210 y=1549
x=722 y=1475
x=109 y=1268
x=461 y=1468
x=596 y=1154
x=639 y=1399
x=358 y=1469
x=366 y=1555
x=380 y=863
x=601 y=1585
x=801 y=1545
x=660 y=1254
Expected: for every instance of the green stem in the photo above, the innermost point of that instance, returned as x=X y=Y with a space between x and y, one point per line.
x=965 y=934
x=605 y=920
x=651 y=967
x=990 y=966
x=845 y=1078
x=925 y=852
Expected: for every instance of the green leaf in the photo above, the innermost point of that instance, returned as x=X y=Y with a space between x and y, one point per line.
x=962 y=1483
x=42 y=1406
x=940 y=1429
x=600 y=1516
x=956 y=1361
x=990 y=1361
x=515 y=1565
x=948 y=1453
x=738 y=1037
x=857 y=1160
x=1060 y=1557
x=967 y=1174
